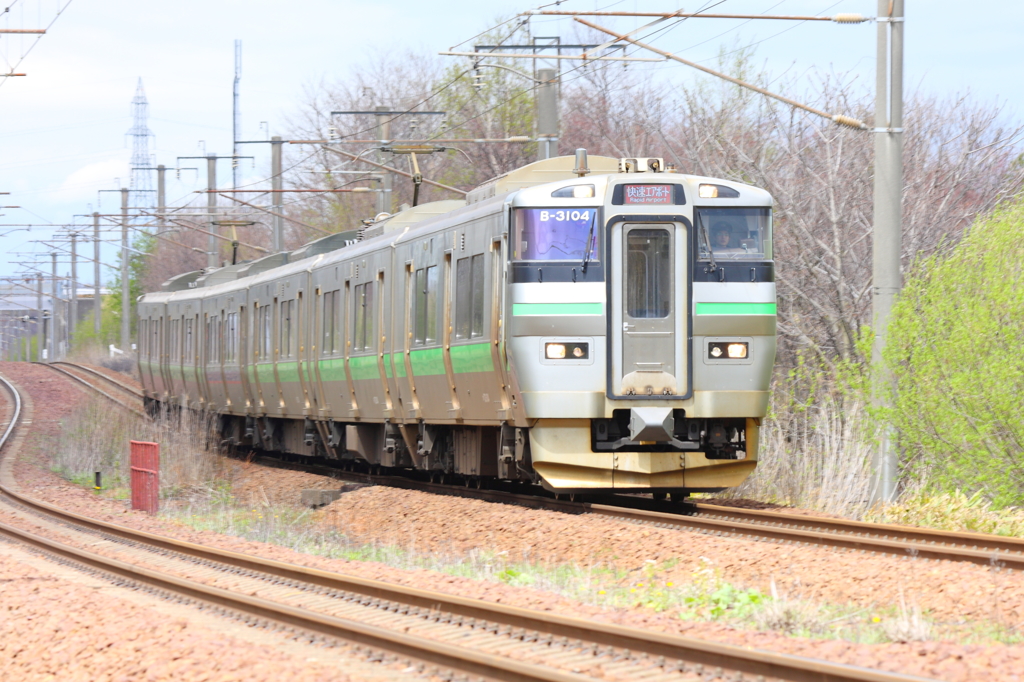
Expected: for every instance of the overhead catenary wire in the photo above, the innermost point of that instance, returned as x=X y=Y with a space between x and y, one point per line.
x=839 y=119
x=35 y=42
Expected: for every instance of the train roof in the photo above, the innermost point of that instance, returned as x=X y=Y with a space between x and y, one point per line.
x=532 y=185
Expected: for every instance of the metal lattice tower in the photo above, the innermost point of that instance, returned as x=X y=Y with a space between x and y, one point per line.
x=141 y=184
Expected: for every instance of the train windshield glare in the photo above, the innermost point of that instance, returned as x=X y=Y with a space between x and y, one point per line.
x=556 y=234
x=735 y=233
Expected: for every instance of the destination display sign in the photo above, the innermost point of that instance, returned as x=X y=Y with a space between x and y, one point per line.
x=648 y=194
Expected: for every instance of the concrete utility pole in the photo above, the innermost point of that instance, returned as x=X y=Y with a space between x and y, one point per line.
x=212 y=247
x=161 y=198
x=39 y=316
x=126 y=304
x=277 y=185
x=384 y=133
x=97 y=311
x=73 y=313
x=52 y=342
x=547 y=114
x=888 y=231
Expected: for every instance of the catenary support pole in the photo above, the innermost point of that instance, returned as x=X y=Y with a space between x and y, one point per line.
x=97 y=301
x=547 y=114
x=386 y=185
x=888 y=241
x=53 y=343
x=126 y=304
x=161 y=198
x=212 y=247
x=277 y=185
x=73 y=289
x=40 y=320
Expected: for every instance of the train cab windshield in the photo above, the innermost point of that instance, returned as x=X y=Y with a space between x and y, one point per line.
x=556 y=234
x=734 y=233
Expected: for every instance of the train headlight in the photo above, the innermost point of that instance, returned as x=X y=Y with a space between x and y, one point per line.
x=728 y=350
x=567 y=350
x=716 y=192
x=736 y=351
x=554 y=351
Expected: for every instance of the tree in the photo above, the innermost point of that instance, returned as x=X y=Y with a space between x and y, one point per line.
x=954 y=349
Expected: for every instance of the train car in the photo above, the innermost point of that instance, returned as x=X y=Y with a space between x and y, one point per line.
x=588 y=324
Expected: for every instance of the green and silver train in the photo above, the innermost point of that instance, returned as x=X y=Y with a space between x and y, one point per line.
x=589 y=324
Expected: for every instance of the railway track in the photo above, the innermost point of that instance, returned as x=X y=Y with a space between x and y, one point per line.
x=436 y=632
x=122 y=394
x=775 y=526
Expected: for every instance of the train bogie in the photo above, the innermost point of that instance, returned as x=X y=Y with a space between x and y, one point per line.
x=601 y=331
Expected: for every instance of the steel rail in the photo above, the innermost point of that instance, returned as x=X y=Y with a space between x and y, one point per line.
x=137 y=410
x=930 y=536
x=461 y=659
x=903 y=541
x=89 y=370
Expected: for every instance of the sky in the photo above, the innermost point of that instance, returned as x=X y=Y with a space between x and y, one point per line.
x=63 y=126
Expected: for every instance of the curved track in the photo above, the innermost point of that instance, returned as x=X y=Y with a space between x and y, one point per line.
x=778 y=526
x=128 y=394
x=456 y=635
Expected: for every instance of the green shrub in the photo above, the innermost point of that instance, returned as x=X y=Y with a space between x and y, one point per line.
x=955 y=352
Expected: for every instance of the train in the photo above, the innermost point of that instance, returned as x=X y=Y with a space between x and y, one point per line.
x=585 y=323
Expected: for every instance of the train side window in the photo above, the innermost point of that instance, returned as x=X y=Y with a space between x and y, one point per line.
x=463 y=297
x=477 y=326
x=359 y=313
x=264 y=338
x=368 y=303
x=431 y=304
x=327 y=345
x=208 y=340
x=425 y=308
x=420 y=307
x=336 y=310
x=143 y=339
x=287 y=310
x=218 y=340
x=469 y=297
x=188 y=342
x=257 y=333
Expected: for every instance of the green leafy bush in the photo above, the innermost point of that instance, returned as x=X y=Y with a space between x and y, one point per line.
x=955 y=352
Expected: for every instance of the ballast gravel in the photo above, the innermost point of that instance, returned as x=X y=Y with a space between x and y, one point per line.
x=438 y=524
x=58 y=629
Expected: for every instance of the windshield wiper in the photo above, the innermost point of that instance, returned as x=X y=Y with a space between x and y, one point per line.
x=707 y=242
x=590 y=237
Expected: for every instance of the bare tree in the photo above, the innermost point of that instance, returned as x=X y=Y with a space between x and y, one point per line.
x=960 y=160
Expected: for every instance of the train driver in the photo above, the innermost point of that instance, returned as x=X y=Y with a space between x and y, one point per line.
x=721 y=238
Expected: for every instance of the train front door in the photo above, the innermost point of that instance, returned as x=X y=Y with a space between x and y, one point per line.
x=648 y=309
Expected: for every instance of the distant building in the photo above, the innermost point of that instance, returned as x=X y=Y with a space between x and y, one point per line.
x=19 y=314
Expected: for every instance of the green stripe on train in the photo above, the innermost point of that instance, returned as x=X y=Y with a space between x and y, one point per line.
x=473 y=357
x=735 y=309
x=427 y=362
x=557 y=308
x=364 y=367
x=332 y=369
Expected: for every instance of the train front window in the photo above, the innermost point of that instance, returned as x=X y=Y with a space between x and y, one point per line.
x=734 y=233
x=648 y=273
x=556 y=234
